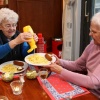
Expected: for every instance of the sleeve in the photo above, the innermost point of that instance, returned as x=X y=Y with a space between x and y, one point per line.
x=92 y=80
x=87 y=81
x=4 y=50
x=25 y=47
x=79 y=64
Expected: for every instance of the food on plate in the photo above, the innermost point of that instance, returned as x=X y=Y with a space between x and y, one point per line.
x=12 y=68
x=37 y=59
x=9 y=68
x=7 y=77
x=20 y=68
x=19 y=63
x=31 y=74
x=48 y=57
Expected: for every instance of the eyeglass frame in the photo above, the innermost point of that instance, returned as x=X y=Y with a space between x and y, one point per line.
x=8 y=26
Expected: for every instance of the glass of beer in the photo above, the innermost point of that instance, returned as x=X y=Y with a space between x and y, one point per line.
x=43 y=74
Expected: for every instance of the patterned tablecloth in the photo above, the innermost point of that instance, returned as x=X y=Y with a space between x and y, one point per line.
x=57 y=88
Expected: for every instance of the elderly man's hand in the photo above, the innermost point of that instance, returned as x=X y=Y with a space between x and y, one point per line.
x=57 y=59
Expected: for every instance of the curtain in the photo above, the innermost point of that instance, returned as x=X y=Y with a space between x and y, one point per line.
x=67 y=29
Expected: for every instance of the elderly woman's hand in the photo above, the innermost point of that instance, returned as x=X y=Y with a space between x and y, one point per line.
x=55 y=68
x=23 y=37
x=35 y=37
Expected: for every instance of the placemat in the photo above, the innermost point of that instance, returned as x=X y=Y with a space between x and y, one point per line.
x=58 y=89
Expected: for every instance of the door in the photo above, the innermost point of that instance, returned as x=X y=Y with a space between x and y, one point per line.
x=86 y=14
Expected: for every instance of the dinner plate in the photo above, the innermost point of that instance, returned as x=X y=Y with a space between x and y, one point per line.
x=11 y=62
x=39 y=64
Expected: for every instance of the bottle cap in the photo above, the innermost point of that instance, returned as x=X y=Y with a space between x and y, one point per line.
x=39 y=35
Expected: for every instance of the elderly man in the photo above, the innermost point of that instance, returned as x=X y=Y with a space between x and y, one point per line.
x=89 y=60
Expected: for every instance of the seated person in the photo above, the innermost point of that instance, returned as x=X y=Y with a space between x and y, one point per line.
x=89 y=60
x=13 y=44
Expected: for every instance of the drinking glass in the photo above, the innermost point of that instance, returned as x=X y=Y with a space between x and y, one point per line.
x=16 y=87
x=3 y=98
x=43 y=73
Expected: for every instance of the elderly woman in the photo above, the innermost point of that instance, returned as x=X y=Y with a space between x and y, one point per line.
x=89 y=60
x=13 y=44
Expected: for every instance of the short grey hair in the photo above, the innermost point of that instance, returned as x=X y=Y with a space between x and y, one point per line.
x=8 y=14
x=96 y=18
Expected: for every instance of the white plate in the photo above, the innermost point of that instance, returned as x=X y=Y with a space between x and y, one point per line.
x=41 y=64
x=11 y=62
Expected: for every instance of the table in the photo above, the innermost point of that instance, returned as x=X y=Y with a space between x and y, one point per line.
x=33 y=91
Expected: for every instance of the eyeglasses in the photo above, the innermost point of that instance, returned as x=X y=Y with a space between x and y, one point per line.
x=94 y=32
x=8 y=26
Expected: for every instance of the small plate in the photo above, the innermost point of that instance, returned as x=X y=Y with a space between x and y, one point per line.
x=38 y=64
x=11 y=62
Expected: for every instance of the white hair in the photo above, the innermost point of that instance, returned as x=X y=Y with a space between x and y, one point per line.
x=9 y=15
x=96 y=18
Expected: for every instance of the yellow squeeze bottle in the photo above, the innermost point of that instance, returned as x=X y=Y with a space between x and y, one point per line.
x=32 y=43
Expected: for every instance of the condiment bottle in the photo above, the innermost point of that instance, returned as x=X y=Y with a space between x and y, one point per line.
x=40 y=43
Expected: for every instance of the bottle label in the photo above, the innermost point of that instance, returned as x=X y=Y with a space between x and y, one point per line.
x=40 y=48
